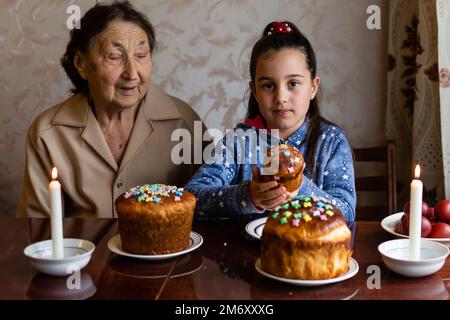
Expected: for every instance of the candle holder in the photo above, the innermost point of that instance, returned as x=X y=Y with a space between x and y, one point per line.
x=395 y=255
x=76 y=255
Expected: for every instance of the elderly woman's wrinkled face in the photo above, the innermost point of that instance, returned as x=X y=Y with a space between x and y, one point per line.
x=118 y=66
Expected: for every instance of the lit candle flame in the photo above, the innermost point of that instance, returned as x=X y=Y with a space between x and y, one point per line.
x=417 y=172
x=54 y=173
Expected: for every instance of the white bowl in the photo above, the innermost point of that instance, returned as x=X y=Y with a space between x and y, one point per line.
x=390 y=222
x=77 y=254
x=395 y=254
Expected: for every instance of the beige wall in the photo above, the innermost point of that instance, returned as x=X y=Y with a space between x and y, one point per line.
x=202 y=57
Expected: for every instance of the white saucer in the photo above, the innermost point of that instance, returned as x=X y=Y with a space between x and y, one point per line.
x=391 y=221
x=352 y=270
x=115 y=245
x=255 y=228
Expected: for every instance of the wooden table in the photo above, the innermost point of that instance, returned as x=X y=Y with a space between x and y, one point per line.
x=221 y=269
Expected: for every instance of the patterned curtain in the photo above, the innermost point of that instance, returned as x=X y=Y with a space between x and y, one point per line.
x=443 y=14
x=413 y=117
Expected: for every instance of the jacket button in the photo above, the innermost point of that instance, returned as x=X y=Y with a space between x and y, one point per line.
x=119 y=185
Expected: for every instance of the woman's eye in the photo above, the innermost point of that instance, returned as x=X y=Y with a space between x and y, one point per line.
x=141 y=55
x=115 y=57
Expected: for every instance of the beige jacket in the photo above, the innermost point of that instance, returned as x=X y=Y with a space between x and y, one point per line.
x=68 y=136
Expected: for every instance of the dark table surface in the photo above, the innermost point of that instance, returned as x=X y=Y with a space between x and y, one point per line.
x=222 y=268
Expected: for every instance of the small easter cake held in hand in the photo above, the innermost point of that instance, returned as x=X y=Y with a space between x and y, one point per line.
x=155 y=219
x=290 y=166
x=306 y=238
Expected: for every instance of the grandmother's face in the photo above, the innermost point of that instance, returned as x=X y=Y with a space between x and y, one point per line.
x=118 y=66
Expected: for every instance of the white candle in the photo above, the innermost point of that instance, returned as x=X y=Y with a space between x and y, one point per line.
x=415 y=216
x=56 y=216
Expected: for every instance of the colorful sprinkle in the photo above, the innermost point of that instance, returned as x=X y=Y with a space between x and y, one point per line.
x=320 y=204
x=154 y=192
x=297 y=215
x=292 y=211
x=156 y=200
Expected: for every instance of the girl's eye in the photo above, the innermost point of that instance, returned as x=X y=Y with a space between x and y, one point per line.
x=294 y=84
x=268 y=86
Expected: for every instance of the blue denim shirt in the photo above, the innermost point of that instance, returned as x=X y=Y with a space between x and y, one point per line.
x=222 y=189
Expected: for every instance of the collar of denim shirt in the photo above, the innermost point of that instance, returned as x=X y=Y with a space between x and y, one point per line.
x=294 y=139
x=299 y=135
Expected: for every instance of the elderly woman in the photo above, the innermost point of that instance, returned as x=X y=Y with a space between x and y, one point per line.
x=115 y=131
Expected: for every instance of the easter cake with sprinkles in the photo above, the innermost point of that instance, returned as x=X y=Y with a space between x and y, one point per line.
x=306 y=238
x=155 y=219
x=290 y=166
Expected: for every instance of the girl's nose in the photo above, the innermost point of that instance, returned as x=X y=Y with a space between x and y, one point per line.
x=280 y=96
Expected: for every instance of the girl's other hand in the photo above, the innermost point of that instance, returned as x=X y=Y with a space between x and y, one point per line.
x=266 y=195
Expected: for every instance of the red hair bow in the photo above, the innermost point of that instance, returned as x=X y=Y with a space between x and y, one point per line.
x=279 y=27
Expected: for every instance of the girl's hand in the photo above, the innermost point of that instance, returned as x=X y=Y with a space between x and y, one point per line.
x=266 y=195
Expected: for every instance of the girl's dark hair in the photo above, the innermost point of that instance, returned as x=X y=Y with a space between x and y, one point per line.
x=275 y=41
x=94 y=22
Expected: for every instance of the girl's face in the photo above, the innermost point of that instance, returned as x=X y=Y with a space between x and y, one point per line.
x=283 y=89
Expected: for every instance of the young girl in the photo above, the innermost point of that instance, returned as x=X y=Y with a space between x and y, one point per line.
x=284 y=89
